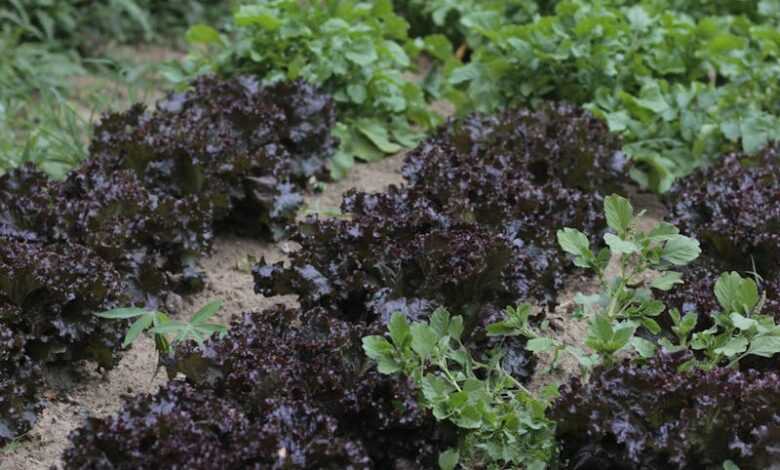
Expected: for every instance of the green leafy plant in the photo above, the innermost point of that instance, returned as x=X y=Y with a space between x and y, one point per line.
x=86 y=25
x=167 y=332
x=501 y=422
x=625 y=302
x=680 y=86
x=353 y=50
x=739 y=330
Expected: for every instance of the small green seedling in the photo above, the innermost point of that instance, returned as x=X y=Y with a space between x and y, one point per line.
x=502 y=423
x=625 y=303
x=168 y=332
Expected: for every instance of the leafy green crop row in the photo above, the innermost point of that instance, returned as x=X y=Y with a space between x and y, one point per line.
x=682 y=82
x=46 y=45
x=680 y=85
x=85 y=25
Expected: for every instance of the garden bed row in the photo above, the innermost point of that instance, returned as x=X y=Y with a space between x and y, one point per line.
x=473 y=229
x=126 y=226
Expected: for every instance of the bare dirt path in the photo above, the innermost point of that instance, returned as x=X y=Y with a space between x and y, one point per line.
x=70 y=401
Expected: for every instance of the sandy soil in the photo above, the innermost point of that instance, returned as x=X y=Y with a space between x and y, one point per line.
x=75 y=395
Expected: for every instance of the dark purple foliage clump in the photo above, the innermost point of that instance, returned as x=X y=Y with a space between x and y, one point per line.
x=733 y=208
x=47 y=296
x=474 y=229
x=185 y=427
x=653 y=417
x=483 y=154
x=282 y=390
x=242 y=151
x=20 y=381
x=48 y=293
x=126 y=226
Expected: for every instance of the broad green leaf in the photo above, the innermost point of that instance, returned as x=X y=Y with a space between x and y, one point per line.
x=202 y=34
x=469 y=418
x=357 y=92
x=645 y=348
x=435 y=389
x=573 y=241
x=620 y=246
x=378 y=135
x=743 y=323
x=257 y=15
x=501 y=328
x=456 y=327
x=388 y=366
x=362 y=53
x=680 y=250
x=729 y=465
x=440 y=322
x=602 y=328
x=377 y=347
x=736 y=294
x=651 y=325
x=736 y=345
x=619 y=213
x=399 y=330
x=448 y=459
x=424 y=340
x=765 y=346
x=622 y=336
x=663 y=232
